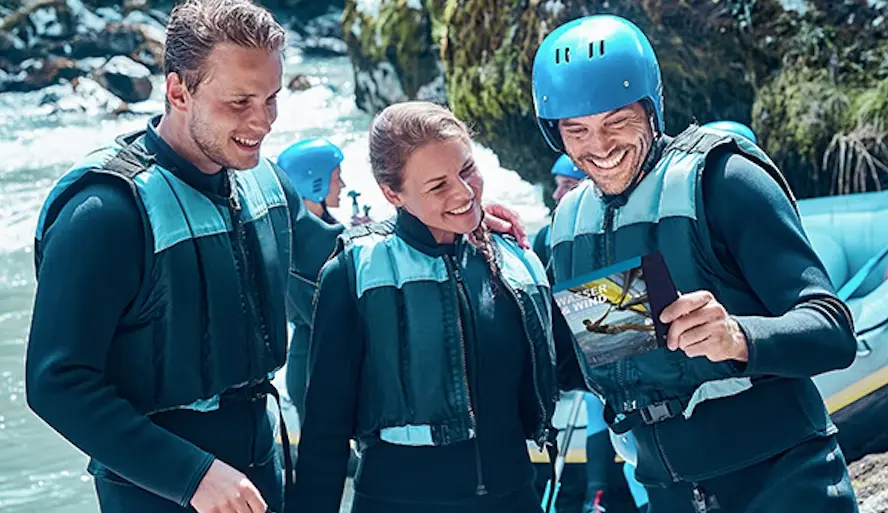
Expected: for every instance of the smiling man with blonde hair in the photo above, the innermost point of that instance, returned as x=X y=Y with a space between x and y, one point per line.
x=163 y=267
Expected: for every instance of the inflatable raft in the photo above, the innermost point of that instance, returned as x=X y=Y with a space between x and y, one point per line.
x=850 y=235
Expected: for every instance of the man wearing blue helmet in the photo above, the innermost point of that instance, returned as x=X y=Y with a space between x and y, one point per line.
x=312 y=165
x=726 y=417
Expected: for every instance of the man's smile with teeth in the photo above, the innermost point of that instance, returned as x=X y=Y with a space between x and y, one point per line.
x=463 y=209
x=246 y=142
x=611 y=162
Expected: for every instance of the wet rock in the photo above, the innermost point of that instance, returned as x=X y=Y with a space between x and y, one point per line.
x=394 y=51
x=320 y=36
x=82 y=95
x=317 y=46
x=299 y=83
x=135 y=5
x=125 y=78
x=141 y=43
x=33 y=74
x=67 y=28
x=326 y=25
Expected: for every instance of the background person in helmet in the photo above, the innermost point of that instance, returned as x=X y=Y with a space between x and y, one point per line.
x=566 y=175
x=602 y=473
x=726 y=416
x=313 y=167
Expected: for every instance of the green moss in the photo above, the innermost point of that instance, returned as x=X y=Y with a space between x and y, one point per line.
x=870 y=106
x=796 y=115
x=397 y=34
x=488 y=55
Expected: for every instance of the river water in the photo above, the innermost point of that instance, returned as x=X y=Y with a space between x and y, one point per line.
x=40 y=471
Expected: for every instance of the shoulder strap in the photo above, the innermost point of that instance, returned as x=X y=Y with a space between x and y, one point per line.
x=132 y=159
x=701 y=140
x=349 y=235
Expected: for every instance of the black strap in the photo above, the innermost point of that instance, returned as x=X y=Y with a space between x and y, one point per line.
x=129 y=161
x=267 y=387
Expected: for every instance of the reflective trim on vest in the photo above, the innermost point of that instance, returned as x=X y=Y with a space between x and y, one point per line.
x=659 y=195
x=94 y=161
x=388 y=261
x=177 y=212
x=517 y=269
x=391 y=262
x=716 y=389
x=407 y=435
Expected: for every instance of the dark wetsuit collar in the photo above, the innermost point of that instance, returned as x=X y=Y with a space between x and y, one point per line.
x=417 y=234
x=167 y=158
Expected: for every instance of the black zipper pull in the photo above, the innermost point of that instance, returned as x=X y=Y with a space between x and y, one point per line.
x=456 y=273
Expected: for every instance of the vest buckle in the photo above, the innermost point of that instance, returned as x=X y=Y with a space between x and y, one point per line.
x=658 y=412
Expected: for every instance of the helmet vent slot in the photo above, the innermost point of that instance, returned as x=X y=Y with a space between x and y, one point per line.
x=592 y=46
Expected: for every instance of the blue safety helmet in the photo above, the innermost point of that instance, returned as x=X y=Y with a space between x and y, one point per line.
x=733 y=127
x=309 y=164
x=564 y=166
x=593 y=65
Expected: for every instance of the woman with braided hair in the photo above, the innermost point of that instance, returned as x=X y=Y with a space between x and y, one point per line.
x=432 y=343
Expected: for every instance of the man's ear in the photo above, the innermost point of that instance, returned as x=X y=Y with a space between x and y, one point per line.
x=177 y=93
x=393 y=197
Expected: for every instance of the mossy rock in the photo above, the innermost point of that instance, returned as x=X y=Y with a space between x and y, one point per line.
x=828 y=92
x=393 y=52
x=796 y=115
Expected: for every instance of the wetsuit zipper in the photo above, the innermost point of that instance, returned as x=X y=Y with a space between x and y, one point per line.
x=481 y=489
x=251 y=311
x=662 y=452
x=608 y=235
x=533 y=362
